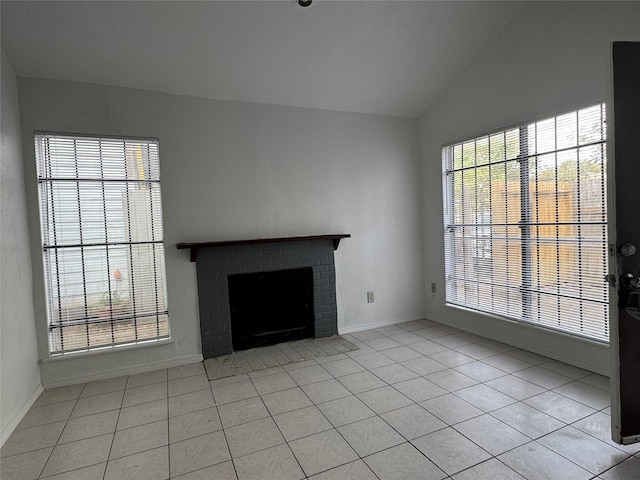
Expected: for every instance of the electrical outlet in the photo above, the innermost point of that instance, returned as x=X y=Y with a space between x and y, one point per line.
x=370 y=297
x=433 y=287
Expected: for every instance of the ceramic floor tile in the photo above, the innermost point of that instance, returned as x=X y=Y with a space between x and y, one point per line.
x=104 y=386
x=33 y=438
x=144 y=394
x=515 y=387
x=406 y=338
x=197 y=453
x=451 y=380
x=190 y=402
x=413 y=421
x=491 y=434
x=345 y=410
x=452 y=341
x=233 y=392
x=325 y=391
x=89 y=426
x=559 y=407
x=506 y=363
x=476 y=351
x=419 y=389
x=484 y=397
x=147 y=378
x=273 y=383
x=565 y=369
x=301 y=423
x=60 y=394
x=373 y=360
x=357 y=470
x=480 y=371
x=252 y=437
x=535 y=461
x=276 y=463
x=394 y=373
x=24 y=466
x=450 y=451
x=384 y=399
x=98 y=404
x=450 y=409
x=528 y=420
x=390 y=330
x=370 y=436
x=427 y=347
x=149 y=465
x=383 y=343
x=451 y=358
x=229 y=380
x=242 y=411
x=628 y=470
x=403 y=353
x=599 y=426
x=583 y=449
x=424 y=365
x=185 y=370
x=44 y=414
x=192 y=383
x=221 y=471
x=403 y=462
x=143 y=413
x=361 y=382
x=193 y=424
x=341 y=368
x=265 y=372
x=70 y=456
x=543 y=377
x=589 y=395
x=307 y=375
x=322 y=451
x=598 y=381
x=286 y=400
x=94 y=472
x=138 y=439
x=365 y=335
x=491 y=469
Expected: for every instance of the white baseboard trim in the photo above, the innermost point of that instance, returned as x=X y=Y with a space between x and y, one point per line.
x=13 y=422
x=129 y=370
x=383 y=323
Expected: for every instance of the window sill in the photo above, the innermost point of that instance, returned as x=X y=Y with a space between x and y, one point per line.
x=108 y=350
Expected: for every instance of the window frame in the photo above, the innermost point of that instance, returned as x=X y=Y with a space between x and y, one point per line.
x=523 y=157
x=153 y=216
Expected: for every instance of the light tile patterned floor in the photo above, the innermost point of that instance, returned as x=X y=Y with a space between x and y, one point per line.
x=416 y=401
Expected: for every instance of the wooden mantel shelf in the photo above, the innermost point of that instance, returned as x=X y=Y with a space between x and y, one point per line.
x=194 y=247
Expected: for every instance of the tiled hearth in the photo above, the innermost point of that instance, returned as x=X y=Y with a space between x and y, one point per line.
x=415 y=401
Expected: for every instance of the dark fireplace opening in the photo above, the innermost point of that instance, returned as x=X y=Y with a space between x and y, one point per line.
x=271 y=307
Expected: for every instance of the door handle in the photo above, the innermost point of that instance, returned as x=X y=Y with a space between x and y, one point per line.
x=631 y=289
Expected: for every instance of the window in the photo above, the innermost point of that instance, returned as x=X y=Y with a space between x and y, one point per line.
x=101 y=220
x=525 y=223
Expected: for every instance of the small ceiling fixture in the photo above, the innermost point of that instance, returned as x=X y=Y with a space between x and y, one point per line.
x=304 y=3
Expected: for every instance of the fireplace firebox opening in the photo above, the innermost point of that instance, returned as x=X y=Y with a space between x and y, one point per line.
x=271 y=307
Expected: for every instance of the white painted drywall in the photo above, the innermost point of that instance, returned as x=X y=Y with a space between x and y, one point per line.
x=553 y=58
x=19 y=372
x=238 y=170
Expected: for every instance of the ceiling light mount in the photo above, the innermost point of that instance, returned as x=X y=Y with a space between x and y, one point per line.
x=304 y=3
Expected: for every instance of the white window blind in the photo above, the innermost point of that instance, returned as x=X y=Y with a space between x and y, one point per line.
x=102 y=235
x=526 y=223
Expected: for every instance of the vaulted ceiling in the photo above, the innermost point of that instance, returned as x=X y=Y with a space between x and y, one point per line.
x=381 y=57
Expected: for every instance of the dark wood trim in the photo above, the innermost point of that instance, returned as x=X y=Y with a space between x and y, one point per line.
x=194 y=247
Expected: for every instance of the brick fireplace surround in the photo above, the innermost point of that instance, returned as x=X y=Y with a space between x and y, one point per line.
x=215 y=261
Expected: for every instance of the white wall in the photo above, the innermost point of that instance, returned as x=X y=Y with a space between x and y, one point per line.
x=234 y=170
x=553 y=58
x=19 y=373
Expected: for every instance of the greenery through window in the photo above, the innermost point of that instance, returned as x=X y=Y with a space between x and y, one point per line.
x=525 y=223
x=101 y=219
